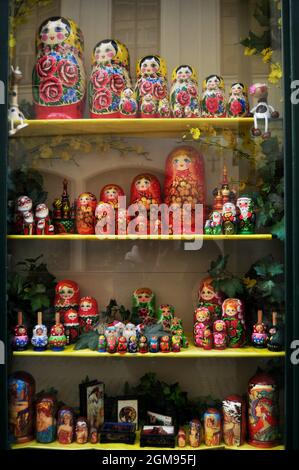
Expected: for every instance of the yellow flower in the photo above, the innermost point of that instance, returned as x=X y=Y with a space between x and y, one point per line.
x=195 y=132
x=276 y=73
x=249 y=283
x=65 y=155
x=267 y=54
x=242 y=185
x=75 y=144
x=250 y=51
x=56 y=140
x=12 y=41
x=45 y=151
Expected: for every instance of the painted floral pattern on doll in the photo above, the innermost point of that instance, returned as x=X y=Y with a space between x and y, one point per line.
x=238 y=105
x=184 y=100
x=88 y=313
x=146 y=190
x=85 y=213
x=202 y=320
x=59 y=84
x=233 y=315
x=211 y=299
x=143 y=304
x=213 y=102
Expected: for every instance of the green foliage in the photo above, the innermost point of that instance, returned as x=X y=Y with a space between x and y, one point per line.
x=88 y=340
x=113 y=311
x=223 y=280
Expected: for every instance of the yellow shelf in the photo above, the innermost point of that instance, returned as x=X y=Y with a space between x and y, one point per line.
x=256 y=236
x=142 y=127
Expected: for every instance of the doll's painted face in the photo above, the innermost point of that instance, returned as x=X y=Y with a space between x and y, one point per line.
x=183 y=73
x=149 y=66
x=213 y=83
x=111 y=194
x=202 y=314
x=144 y=297
x=207 y=293
x=54 y=32
x=85 y=199
x=85 y=305
x=142 y=184
x=229 y=208
x=41 y=211
x=24 y=204
x=216 y=217
x=237 y=89
x=66 y=292
x=105 y=52
x=28 y=217
x=231 y=310
x=219 y=326
x=182 y=162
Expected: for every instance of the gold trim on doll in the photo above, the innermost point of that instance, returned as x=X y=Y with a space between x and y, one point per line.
x=74 y=38
x=162 y=70
x=121 y=56
x=193 y=75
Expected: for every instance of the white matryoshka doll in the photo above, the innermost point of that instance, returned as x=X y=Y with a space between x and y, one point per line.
x=213 y=102
x=58 y=81
x=238 y=105
x=184 y=101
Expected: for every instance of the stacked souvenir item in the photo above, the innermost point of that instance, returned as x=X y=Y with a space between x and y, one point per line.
x=28 y=222
x=184 y=99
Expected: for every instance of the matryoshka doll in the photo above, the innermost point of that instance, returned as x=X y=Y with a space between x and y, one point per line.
x=110 y=88
x=85 y=213
x=122 y=346
x=65 y=425
x=67 y=296
x=176 y=343
x=208 y=340
x=21 y=390
x=93 y=436
x=194 y=433
x=263 y=429
x=237 y=105
x=154 y=344
x=233 y=315
x=81 y=431
x=59 y=83
x=246 y=215
x=132 y=344
x=143 y=345
x=105 y=220
x=71 y=325
x=102 y=345
x=57 y=338
x=219 y=334
x=88 y=313
x=39 y=338
x=146 y=190
x=234 y=420
x=112 y=342
x=212 y=427
x=276 y=335
x=213 y=225
x=45 y=421
x=229 y=220
x=213 y=102
x=184 y=99
x=202 y=319
x=43 y=221
x=165 y=344
x=208 y=297
x=110 y=194
x=259 y=335
x=20 y=339
x=151 y=87
x=182 y=438
x=165 y=315
x=143 y=303
x=23 y=206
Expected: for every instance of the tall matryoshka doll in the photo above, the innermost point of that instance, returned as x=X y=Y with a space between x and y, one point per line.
x=21 y=390
x=67 y=296
x=144 y=304
x=110 y=87
x=184 y=101
x=233 y=315
x=213 y=102
x=208 y=297
x=85 y=213
x=110 y=194
x=145 y=191
x=88 y=313
x=151 y=87
x=45 y=421
x=238 y=105
x=58 y=81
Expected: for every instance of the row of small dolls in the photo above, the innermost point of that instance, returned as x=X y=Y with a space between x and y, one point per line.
x=141 y=344
x=232 y=219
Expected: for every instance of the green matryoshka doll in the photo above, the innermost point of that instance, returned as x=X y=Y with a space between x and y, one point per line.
x=144 y=304
x=165 y=315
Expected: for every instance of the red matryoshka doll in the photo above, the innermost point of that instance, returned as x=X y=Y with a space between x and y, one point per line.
x=233 y=315
x=59 y=83
x=23 y=206
x=184 y=99
x=165 y=344
x=57 y=338
x=105 y=219
x=112 y=342
x=202 y=319
x=143 y=303
x=234 y=420
x=81 y=431
x=67 y=296
x=182 y=438
x=71 y=325
x=45 y=421
x=237 y=105
x=21 y=390
x=20 y=339
x=194 y=433
x=65 y=425
x=213 y=102
x=207 y=341
x=43 y=221
x=143 y=344
x=93 y=436
x=146 y=190
x=85 y=213
x=259 y=337
x=110 y=194
x=29 y=224
x=110 y=87
x=208 y=297
x=122 y=346
x=263 y=429
x=212 y=427
x=88 y=313
x=219 y=334
x=151 y=87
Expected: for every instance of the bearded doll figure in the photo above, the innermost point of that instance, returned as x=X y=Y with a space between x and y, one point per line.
x=211 y=299
x=246 y=215
x=238 y=104
x=23 y=205
x=67 y=296
x=110 y=87
x=213 y=225
x=151 y=87
x=229 y=220
x=85 y=213
x=43 y=221
x=213 y=102
x=28 y=223
x=233 y=315
x=88 y=313
x=143 y=304
x=59 y=83
x=184 y=99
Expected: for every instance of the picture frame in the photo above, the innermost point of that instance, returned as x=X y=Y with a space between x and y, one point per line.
x=92 y=395
x=127 y=410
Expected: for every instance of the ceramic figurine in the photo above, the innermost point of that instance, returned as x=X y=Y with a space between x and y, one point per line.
x=144 y=303
x=120 y=328
x=110 y=88
x=39 y=338
x=65 y=425
x=85 y=214
x=122 y=346
x=259 y=335
x=151 y=86
x=182 y=438
x=234 y=420
x=63 y=213
x=59 y=83
x=71 y=325
x=23 y=206
x=112 y=343
x=194 y=433
x=154 y=344
x=165 y=315
x=207 y=341
x=129 y=330
x=42 y=220
x=67 y=296
x=110 y=194
x=233 y=315
x=211 y=299
x=88 y=313
x=20 y=339
x=263 y=428
x=184 y=99
x=146 y=190
x=21 y=390
x=229 y=225
x=45 y=412
x=238 y=104
x=133 y=345
x=262 y=110
x=202 y=318
x=93 y=436
x=176 y=343
x=276 y=335
x=246 y=216
x=29 y=225
x=212 y=427
x=219 y=334
x=143 y=345
x=81 y=431
x=15 y=116
x=165 y=344
x=213 y=225
x=102 y=346
x=213 y=102
x=57 y=338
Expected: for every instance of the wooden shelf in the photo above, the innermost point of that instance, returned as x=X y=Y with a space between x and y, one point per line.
x=256 y=236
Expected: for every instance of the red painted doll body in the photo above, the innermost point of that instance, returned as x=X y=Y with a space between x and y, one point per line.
x=210 y=298
x=88 y=313
x=110 y=194
x=233 y=315
x=145 y=191
x=67 y=296
x=85 y=213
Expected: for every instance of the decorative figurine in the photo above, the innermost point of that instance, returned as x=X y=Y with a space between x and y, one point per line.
x=165 y=344
x=93 y=436
x=21 y=390
x=246 y=216
x=213 y=102
x=143 y=345
x=234 y=420
x=213 y=225
x=71 y=325
x=102 y=346
x=262 y=110
x=15 y=116
x=212 y=427
x=122 y=346
x=20 y=339
x=57 y=338
x=229 y=224
x=176 y=343
x=85 y=214
x=263 y=428
x=133 y=344
x=112 y=343
x=259 y=336
x=208 y=297
x=151 y=86
x=45 y=411
x=63 y=213
x=23 y=206
x=223 y=193
x=207 y=340
x=81 y=431
x=165 y=315
x=143 y=303
x=110 y=87
x=105 y=219
x=65 y=425
x=238 y=104
x=194 y=433
x=29 y=225
x=182 y=438
x=59 y=83
x=110 y=194
x=67 y=296
x=146 y=190
x=184 y=99
x=276 y=335
x=42 y=220
x=154 y=344
x=219 y=334
x=129 y=330
x=39 y=338
x=88 y=313
x=233 y=315
x=202 y=319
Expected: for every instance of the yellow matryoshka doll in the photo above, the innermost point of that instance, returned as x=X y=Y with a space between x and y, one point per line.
x=184 y=101
x=213 y=102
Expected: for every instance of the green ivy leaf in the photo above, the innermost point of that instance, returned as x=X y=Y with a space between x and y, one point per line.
x=266 y=287
x=39 y=302
x=93 y=342
x=231 y=286
x=278 y=229
x=218 y=266
x=83 y=341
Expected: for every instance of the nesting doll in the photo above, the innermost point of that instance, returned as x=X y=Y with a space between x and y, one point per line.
x=184 y=99
x=71 y=325
x=39 y=338
x=110 y=194
x=229 y=220
x=110 y=88
x=88 y=313
x=59 y=84
x=81 y=431
x=276 y=335
x=237 y=105
x=93 y=436
x=122 y=346
x=213 y=102
x=146 y=190
x=143 y=344
x=219 y=334
x=182 y=437
x=133 y=344
x=28 y=224
x=234 y=420
x=213 y=225
x=259 y=337
x=105 y=222
x=21 y=390
x=212 y=427
x=45 y=421
x=67 y=296
x=208 y=297
x=43 y=221
x=194 y=433
x=207 y=340
x=102 y=345
x=112 y=343
x=175 y=343
x=57 y=338
x=151 y=86
x=85 y=214
x=202 y=319
x=143 y=303
x=246 y=215
x=20 y=339
x=165 y=344
x=65 y=425
x=165 y=315
x=233 y=315
x=23 y=206
x=154 y=344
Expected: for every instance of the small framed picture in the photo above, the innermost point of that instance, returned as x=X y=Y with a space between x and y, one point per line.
x=127 y=411
x=92 y=402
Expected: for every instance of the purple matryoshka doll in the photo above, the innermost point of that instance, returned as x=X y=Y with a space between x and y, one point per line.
x=184 y=101
x=21 y=387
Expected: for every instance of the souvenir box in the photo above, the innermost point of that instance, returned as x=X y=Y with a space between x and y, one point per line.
x=123 y=433
x=157 y=436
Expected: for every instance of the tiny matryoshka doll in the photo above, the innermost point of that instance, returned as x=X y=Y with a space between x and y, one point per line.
x=45 y=411
x=154 y=344
x=143 y=345
x=39 y=338
x=237 y=105
x=110 y=85
x=165 y=344
x=234 y=420
x=184 y=99
x=276 y=335
x=259 y=335
x=67 y=296
x=21 y=390
x=93 y=436
x=146 y=190
x=133 y=344
x=246 y=215
x=71 y=325
x=143 y=303
x=110 y=194
x=42 y=220
x=122 y=346
x=88 y=313
x=102 y=345
x=175 y=343
x=112 y=342
x=81 y=431
x=202 y=319
x=212 y=427
x=20 y=339
x=229 y=220
x=233 y=315
x=23 y=206
x=208 y=297
x=59 y=84
x=65 y=425
x=213 y=225
x=194 y=433
x=57 y=338
x=219 y=334
x=213 y=102
x=208 y=339
x=165 y=315
x=151 y=86
x=85 y=213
